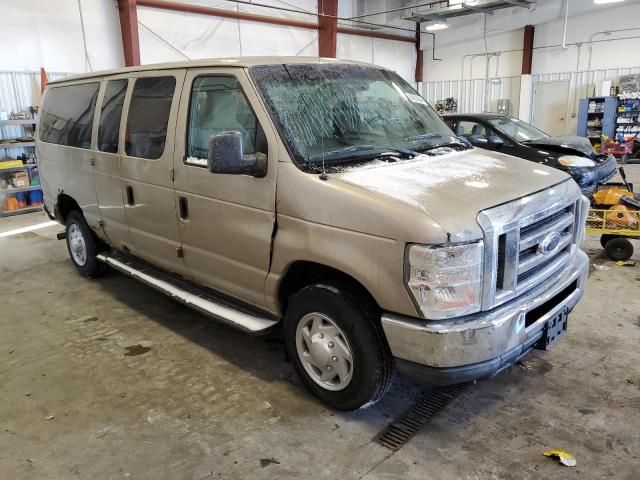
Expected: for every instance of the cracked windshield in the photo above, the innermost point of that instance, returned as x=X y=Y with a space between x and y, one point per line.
x=332 y=116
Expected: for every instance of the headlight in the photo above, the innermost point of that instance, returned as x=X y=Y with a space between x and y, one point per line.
x=575 y=161
x=445 y=282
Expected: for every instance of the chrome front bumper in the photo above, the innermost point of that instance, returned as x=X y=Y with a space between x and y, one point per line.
x=478 y=345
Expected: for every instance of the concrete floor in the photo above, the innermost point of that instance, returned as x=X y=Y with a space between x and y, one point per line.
x=109 y=379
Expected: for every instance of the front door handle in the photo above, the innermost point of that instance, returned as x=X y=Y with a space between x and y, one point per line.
x=183 y=204
x=130 y=199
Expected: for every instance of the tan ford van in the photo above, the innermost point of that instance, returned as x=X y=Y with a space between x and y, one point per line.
x=318 y=196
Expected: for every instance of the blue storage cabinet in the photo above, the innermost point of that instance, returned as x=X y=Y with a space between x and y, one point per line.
x=596 y=117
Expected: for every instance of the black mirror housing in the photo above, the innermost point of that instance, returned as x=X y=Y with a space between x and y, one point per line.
x=226 y=155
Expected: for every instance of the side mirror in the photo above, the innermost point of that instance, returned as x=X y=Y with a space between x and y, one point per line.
x=478 y=140
x=226 y=155
x=496 y=142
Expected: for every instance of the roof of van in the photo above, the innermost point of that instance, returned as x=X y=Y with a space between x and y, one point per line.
x=210 y=62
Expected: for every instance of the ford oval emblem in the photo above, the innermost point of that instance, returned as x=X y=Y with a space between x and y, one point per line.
x=549 y=243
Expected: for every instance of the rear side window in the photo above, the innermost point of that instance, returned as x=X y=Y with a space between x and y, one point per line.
x=111 y=111
x=148 y=117
x=67 y=115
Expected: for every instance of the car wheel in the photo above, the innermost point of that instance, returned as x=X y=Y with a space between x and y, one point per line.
x=619 y=249
x=337 y=346
x=83 y=246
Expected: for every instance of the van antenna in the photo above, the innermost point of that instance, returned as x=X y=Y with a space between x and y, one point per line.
x=323 y=175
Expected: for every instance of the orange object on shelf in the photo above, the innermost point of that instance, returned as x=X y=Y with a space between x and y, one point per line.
x=10 y=204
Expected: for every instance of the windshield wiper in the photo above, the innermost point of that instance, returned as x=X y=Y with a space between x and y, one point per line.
x=457 y=141
x=345 y=152
x=458 y=144
x=424 y=136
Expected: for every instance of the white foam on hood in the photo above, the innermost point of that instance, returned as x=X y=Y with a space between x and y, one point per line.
x=408 y=180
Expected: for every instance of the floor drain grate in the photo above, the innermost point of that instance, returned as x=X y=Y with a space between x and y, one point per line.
x=396 y=434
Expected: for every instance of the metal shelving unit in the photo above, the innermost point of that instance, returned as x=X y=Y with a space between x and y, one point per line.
x=596 y=117
x=31 y=121
x=28 y=209
x=17 y=144
x=22 y=194
x=628 y=120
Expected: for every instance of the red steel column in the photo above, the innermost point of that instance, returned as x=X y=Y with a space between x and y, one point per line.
x=419 y=55
x=527 y=50
x=129 y=31
x=328 y=28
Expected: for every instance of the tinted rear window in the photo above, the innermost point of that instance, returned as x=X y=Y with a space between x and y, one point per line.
x=109 y=127
x=149 y=116
x=67 y=115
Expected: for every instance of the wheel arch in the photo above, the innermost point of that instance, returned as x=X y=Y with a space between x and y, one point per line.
x=302 y=273
x=65 y=204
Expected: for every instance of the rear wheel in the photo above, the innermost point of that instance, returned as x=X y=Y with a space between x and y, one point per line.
x=619 y=249
x=83 y=246
x=337 y=346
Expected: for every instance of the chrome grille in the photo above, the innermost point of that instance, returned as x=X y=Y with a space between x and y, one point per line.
x=533 y=264
x=515 y=259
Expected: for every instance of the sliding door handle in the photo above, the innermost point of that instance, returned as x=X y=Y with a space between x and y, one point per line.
x=130 y=199
x=183 y=204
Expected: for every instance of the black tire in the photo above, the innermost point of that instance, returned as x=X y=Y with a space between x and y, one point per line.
x=619 y=249
x=372 y=368
x=91 y=267
x=605 y=238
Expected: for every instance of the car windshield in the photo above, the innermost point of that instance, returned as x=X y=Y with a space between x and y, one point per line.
x=517 y=129
x=332 y=115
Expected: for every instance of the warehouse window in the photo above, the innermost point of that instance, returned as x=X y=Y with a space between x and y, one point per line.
x=67 y=115
x=148 y=117
x=109 y=128
x=219 y=105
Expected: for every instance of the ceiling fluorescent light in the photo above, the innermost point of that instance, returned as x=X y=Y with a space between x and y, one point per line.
x=602 y=2
x=436 y=25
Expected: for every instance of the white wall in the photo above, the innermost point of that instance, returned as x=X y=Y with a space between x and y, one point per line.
x=397 y=56
x=203 y=36
x=505 y=32
x=170 y=36
x=47 y=33
x=454 y=56
x=608 y=54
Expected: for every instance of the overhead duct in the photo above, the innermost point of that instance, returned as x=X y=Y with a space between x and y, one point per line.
x=460 y=8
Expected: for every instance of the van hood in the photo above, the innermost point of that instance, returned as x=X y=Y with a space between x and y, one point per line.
x=452 y=187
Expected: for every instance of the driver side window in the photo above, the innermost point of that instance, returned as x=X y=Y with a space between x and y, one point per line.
x=472 y=131
x=218 y=105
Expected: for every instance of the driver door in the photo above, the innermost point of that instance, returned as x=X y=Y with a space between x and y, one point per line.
x=226 y=221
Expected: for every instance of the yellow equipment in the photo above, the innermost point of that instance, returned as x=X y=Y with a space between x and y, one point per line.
x=615 y=215
x=610 y=195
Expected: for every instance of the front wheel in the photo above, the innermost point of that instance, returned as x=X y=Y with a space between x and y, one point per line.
x=83 y=246
x=337 y=346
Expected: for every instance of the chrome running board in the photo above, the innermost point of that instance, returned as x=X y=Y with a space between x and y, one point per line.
x=204 y=301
